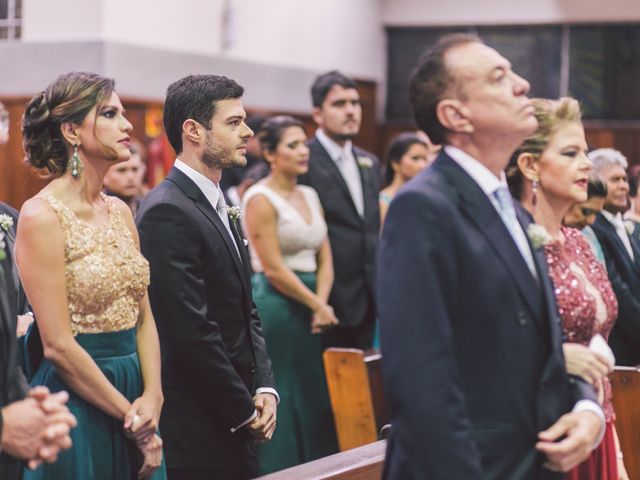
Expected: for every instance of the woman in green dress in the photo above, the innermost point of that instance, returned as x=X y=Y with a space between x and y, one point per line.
x=294 y=273
x=78 y=256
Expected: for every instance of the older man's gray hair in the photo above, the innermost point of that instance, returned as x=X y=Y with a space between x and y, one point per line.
x=605 y=157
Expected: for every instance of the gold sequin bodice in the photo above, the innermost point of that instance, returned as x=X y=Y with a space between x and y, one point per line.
x=106 y=275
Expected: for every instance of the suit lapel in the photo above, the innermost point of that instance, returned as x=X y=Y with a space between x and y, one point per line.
x=479 y=209
x=613 y=234
x=365 y=181
x=192 y=191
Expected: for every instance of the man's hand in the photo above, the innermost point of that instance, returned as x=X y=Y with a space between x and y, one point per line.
x=263 y=426
x=580 y=430
x=36 y=429
x=152 y=456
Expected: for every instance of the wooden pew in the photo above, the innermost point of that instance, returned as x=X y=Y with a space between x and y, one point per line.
x=362 y=463
x=354 y=381
x=625 y=382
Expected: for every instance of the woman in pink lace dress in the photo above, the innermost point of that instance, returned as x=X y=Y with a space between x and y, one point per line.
x=549 y=174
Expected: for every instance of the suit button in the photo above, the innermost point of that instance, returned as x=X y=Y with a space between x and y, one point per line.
x=252 y=368
x=522 y=318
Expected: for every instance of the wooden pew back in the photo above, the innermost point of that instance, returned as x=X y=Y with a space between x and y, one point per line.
x=626 y=403
x=354 y=381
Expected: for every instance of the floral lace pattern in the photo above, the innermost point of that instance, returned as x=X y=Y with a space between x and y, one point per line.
x=106 y=275
x=586 y=302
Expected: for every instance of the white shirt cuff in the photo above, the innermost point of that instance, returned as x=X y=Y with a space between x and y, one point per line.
x=591 y=406
x=247 y=421
x=270 y=390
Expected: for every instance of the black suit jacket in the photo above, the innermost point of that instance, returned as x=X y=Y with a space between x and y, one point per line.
x=23 y=304
x=624 y=275
x=13 y=386
x=473 y=366
x=213 y=350
x=353 y=238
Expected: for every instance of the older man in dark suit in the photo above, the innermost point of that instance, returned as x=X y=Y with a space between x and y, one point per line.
x=621 y=253
x=216 y=374
x=473 y=367
x=347 y=181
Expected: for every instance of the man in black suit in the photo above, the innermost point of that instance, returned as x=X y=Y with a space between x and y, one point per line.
x=218 y=386
x=621 y=253
x=347 y=181
x=473 y=368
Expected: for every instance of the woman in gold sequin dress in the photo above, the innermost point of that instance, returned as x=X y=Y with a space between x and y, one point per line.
x=78 y=256
x=549 y=174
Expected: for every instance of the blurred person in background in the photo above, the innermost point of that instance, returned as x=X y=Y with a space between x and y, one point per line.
x=407 y=154
x=126 y=179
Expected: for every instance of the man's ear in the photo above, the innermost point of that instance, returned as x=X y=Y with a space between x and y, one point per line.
x=316 y=114
x=454 y=116
x=192 y=131
x=69 y=131
x=528 y=165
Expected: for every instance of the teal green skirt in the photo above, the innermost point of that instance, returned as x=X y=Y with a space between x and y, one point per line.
x=305 y=427
x=100 y=449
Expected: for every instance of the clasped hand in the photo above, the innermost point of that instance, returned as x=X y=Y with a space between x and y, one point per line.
x=323 y=318
x=38 y=427
x=140 y=425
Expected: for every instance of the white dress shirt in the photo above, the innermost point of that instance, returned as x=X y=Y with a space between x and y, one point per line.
x=212 y=192
x=489 y=183
x=346 y=163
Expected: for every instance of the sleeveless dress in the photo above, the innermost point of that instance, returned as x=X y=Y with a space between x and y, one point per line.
x=305 y=429
x=106 y=277
x=587 y=306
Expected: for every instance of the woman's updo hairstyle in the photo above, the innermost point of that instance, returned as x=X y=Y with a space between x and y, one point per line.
x=271 y=131
x=551 y=115
x=68 y=99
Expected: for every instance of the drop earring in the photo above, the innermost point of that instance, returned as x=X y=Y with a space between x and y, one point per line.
x=534 y=192
x=76 y=165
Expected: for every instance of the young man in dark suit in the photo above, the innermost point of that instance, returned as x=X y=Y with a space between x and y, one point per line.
x=621 y=254
x=473 y=368
x=347 y=181
x=217 y=381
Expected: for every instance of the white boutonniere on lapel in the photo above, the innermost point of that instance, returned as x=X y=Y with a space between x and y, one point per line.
x=629 y=226
x=234 y=213
x=538 y=235
x=364 y=162
x=6 y=222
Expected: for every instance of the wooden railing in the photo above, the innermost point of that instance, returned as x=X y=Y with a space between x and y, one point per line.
x=362 y=463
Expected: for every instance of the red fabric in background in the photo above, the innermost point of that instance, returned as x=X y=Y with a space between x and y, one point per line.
x=602 y=463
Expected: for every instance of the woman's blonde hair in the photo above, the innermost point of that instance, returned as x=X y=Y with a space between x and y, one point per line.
x=551 y=115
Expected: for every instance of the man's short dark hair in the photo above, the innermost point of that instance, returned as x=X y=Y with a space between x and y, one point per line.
x=324 y=83
x=429 y=82
x=194 y=97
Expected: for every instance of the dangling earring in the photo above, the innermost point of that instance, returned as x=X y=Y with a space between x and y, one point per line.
x=76 y=165
x=534 y=192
